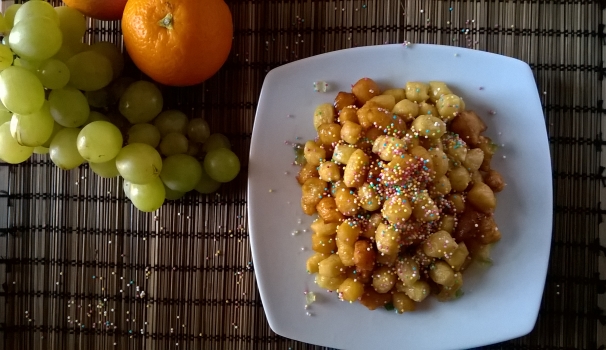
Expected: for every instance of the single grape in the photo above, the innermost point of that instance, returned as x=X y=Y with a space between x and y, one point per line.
x=173 y=143
x=6 y=56
x=37 y=38
x=53 y=74
x=198 y=130
x=10 y=150
x=20 y=90
x=98 y=98
x=33 y=129
x=222 y=164
x=139 y=163
x=41 y=150
x=10 y=13
x=216 y=141
x=206 y=184
x=193 y=149
x=118 y=87
x=141 y=102
x=69 y=107
x=181 y=172
x=71 y=23
x=171 y=121
x=106 y=170
x=99 y=142
x=95 y=116
x=144 y=133
x=63 y=150
x=36 y=9
x=89 y=71
x=148 y=197
x=56 y=128
x=173 y=195
x=112 y=53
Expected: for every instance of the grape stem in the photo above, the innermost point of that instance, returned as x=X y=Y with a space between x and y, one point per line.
x=167 y=21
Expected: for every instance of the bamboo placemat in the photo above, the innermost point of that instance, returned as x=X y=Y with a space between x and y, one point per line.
x=81 y=269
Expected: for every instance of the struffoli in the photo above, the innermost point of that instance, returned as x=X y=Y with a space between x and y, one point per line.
x=401 y=186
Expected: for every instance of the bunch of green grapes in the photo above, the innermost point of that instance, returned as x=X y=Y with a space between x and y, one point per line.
x=63 y=97
x=191 y=157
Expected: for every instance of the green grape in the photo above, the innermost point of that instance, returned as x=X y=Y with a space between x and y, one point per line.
x=20 y=90
x=41 y=150
x=148 y=197
x=33 y=129
x=173 y=143
x=181 y=172
x=173 y=195
x=10 y=150
x=216 y=141
x=4 y=29
x=99 y=142
x=33 y=9
x=69 y=49
x=118 y=87
x=171 y=121
x=35 y=38
x=31 y=66
x=198 y=130
x=144 y=133
x=222 y=164
x=193 y=149
x=63 y=150
x=56 y=128
x=139 y=163
x=10 y=13
x=6 y=56
x=206 y=184
x=95 y=116
x=112 y=53
x=53 y=74
x=69 y=107
x=126 y=188
x=141 y=102
x=71 y=23
x=89 y=71
x=98 y=98
x=106 y=170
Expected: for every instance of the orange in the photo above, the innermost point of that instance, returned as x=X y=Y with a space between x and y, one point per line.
x=108 y=10
x=178 y=42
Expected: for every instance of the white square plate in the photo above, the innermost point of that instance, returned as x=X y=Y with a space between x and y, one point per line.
x=500 y=302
